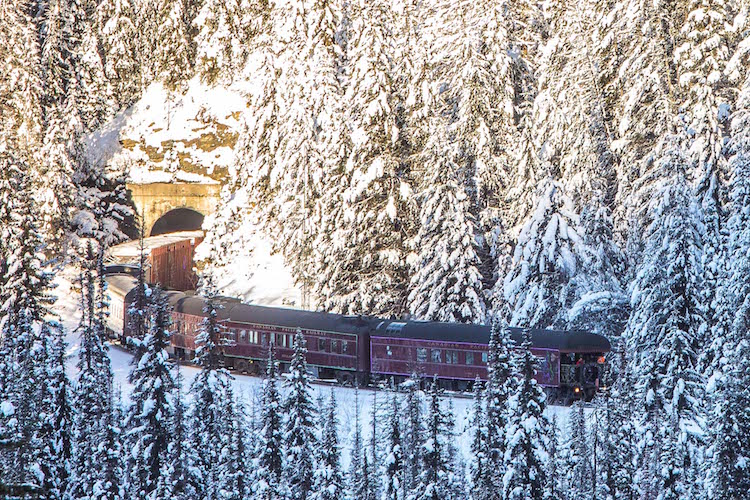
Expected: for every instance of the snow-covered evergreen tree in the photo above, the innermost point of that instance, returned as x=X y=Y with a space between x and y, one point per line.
x=368 y=268
x=211 y=415
x=178 y=478
x=299 y=431
x=21 y=88
x=435 y=468
x=664 y=331
x=413 y=434
x=174 y=50
x=478 y=471
x=355 y=474
x=148 y=430
x=32 y=378
x=92 y=393
x=578 y=455
x=527 y=433
x=118 y=24
x=541 y=284
x=329 y=484
x=269 y=455
x=497 y=393
x=728 y=419
x=447 y=284
x=555 y=468
x=393 y=457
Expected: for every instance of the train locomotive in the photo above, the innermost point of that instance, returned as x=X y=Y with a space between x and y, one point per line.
x=364 y=349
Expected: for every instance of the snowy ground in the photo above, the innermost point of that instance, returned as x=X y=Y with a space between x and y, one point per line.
x=67 y=308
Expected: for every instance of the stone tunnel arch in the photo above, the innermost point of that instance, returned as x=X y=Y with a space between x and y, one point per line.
x=155 y=201
x=177 y=219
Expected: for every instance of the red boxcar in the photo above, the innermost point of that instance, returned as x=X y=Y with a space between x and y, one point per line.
x=171 y=265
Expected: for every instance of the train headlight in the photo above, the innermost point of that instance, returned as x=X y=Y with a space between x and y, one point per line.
x=577 y=390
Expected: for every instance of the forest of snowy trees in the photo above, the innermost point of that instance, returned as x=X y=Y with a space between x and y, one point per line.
x=541 y=164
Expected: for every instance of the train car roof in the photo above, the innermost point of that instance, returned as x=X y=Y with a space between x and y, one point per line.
x=121 y=283
x=565 y=341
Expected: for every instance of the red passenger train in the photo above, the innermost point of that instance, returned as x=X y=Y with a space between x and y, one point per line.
x=365 y=349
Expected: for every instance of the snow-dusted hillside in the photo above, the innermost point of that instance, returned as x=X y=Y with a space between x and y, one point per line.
x=172 y=136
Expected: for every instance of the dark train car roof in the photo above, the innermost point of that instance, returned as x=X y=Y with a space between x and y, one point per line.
x=293 y=318
x=570 y=341
x=193 y=304
x=236 y=312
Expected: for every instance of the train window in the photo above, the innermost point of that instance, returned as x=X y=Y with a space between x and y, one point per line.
x=469 y=358
x=484 y=357
x=243 y=335
x=421 y=355
x=344 y=346
x=388 y=350
x=264 y=338
x=451 y=357
x=334 y=345
x=437 y=356
x=321 y=344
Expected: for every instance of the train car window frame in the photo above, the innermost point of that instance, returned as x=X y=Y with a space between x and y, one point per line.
x=321 y=344
x=421 y=355
x=436 y=355
x=469 y=358
x=484 y=357
x=344 y=347
x=451 y=357
x=334 y=345
x=388 y=351
x=243 y=336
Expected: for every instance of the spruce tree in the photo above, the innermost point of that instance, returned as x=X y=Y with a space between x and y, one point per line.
x=269 y=454
x=435 y=468
x=541 y=283
x=368 y=269
x=181 y=481
x=447 y=284
x=497 y=393
x=211 y=414
x=527 y=433
x=299 y=431
x=555 y=475
x=578 y=454
x=118 y=33
x=358 y=476
x=728 y=419
x=92 y=393
x=32 y=380
x=664 y=329
x=393 y=460
x=21 y=90
x=148 y=431
x=413 y=434
x=478 y=466
x=328 y=480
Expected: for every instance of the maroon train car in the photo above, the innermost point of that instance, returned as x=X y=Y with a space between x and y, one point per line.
x=336 y=344
x=171 y=265
x=569 y=362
